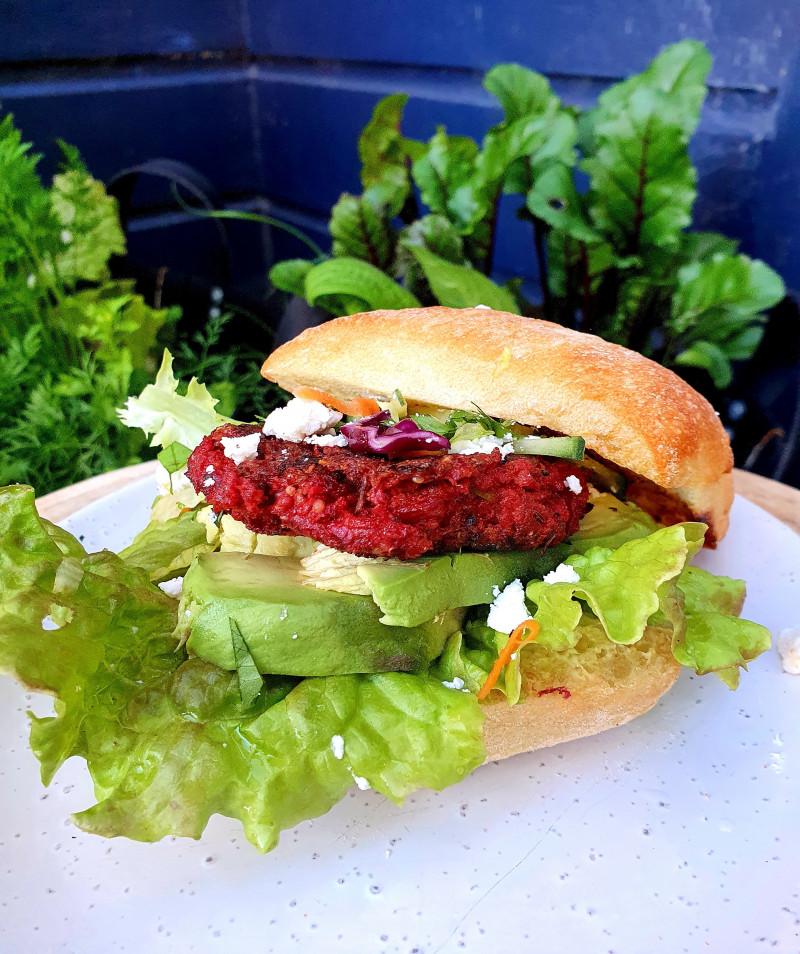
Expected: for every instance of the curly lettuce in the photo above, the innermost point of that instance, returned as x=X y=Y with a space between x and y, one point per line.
x=170 y=740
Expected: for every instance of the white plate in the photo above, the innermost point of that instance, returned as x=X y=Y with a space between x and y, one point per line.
x=679 y=832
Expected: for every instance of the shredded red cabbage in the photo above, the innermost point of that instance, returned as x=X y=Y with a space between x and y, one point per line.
x=376 y=434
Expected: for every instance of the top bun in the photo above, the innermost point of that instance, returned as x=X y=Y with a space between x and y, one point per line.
x=632 y=412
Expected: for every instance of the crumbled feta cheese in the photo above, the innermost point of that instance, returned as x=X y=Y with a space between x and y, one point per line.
x=47 y=623
x=572 y=483
x=173 y=587
x=299 y=419
x=788 y=643
x=327 y=440
x=362 y=783
x=563 y=573
x=484 y=445
x=208 y=482
x=457 y=683
x=179 y=481
x=508 y=609
x=337 y=747
x=483 y=306
x=295 y=636
x=240 y=449
x=210 y=469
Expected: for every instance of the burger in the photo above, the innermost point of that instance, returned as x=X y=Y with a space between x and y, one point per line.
x=516 y=389
x=466 y=535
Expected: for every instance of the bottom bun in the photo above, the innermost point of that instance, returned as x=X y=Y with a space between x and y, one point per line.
x=594 y=686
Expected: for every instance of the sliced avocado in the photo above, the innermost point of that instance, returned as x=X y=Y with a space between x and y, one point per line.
x=411 y=592
x=296 y=630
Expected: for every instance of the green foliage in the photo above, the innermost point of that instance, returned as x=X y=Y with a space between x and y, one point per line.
x=615 y=259
x=72 y=342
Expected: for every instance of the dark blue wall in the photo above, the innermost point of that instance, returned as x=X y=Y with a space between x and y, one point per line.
x=267 y=98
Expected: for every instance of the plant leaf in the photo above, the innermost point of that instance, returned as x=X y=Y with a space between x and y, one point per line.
x=90 y=229
x=384 y=153
x=642 y=184
x=359 y=282
x=360 y=230
x=435 y=233
x=521 y=91
x=706 y=354
x=447 y=183
x=459 y=286
x=290 y=276
x=250 y=679
x=174 y=457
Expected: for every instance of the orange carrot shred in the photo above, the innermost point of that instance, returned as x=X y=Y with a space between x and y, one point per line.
x=358 y=407
x=517 y=639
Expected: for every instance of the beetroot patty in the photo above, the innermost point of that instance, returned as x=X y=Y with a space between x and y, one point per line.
x=370 y=506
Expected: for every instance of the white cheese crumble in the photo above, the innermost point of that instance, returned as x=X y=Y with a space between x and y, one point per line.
x=483 y=306
x=457 y=683
x=484 y=445
x=508 y=608
x=788 y=643
x=210 y=469
x=572 y=483
x=300 y=419
x=240 y=449
x=179 y=481
x=327 y=440
x=208 y=482
x=362 y=783
x=563 y=573
x=173 y=587
x=48 y=624
x=337 y=747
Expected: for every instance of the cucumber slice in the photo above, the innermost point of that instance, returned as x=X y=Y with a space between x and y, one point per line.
x=571 y=448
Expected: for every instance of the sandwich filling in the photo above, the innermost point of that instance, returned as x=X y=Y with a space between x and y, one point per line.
x=307 y=636
x=364 y=504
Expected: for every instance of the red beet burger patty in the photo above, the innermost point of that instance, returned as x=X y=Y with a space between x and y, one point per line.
x=371 y=506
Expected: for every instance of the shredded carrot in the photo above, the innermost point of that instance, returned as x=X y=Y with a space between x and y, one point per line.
x=358 y=407
x=517 y=639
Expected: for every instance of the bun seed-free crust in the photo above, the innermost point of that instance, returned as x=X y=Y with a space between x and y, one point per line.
x=632 y=412
x=568 y=695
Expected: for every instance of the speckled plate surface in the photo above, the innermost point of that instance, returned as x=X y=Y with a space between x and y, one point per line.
x=679 y=832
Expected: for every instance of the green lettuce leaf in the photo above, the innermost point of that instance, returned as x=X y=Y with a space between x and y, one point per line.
x=165 y=548
x=610 y=523
x=715 y=639
x=165 y=415
x=619 y=586
x=167 y=739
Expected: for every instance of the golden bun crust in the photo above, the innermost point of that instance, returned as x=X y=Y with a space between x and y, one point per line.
x=608 y=685
x=632 y=412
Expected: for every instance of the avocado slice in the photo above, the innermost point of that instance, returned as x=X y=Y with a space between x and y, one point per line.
x=293 y=629
x=416 y=590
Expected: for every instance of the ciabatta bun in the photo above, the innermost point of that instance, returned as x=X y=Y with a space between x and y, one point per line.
x=568 y=695
x=633 y=413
